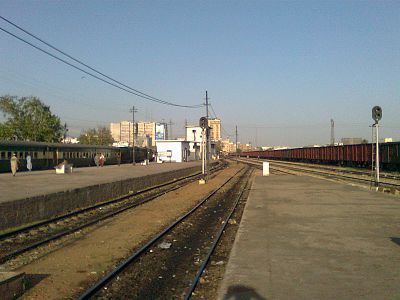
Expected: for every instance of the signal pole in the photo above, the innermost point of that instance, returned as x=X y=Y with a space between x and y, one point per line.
x=332 y=132
x=208 y=144
x=376 y=116
x=133 y=110
x=377 y=153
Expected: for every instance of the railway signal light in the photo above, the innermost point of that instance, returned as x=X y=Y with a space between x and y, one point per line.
x=376 y=113
x=203 y=122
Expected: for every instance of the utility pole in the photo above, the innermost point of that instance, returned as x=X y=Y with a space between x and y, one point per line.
x=185 y=128
x=170 y=129
x=207 y=105
x=65 y=132
x=133 y=110
x=236 y=134
x=256 y=145
x=332 y=132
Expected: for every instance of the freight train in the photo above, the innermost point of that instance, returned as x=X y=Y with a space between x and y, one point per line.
x=48 y=155
x=359 y=155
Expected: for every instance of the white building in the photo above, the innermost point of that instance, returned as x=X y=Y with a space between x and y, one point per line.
x=173 y=151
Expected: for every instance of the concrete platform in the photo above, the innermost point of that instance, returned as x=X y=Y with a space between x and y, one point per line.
x=307 y=238
x=32 y=196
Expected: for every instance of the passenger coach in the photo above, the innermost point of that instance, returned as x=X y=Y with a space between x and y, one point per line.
x=47 y=155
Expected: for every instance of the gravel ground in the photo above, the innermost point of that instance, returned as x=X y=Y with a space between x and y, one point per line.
x=72 y=265
x=169 y=267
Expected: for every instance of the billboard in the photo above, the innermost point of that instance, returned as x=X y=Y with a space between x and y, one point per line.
x=160 y=131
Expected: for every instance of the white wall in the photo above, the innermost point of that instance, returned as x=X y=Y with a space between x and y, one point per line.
x=177 y=149
x=193 y=137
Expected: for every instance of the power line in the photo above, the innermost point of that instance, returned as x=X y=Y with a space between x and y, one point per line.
x=212 y=108
x=135 y=91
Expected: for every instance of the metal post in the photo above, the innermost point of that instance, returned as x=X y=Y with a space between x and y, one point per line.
x=372 y=155
x=207 y=142
x=377 y=154
x=203 y=153
x=207 y=132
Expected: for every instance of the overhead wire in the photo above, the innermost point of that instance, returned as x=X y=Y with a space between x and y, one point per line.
x=212 y=108
x=222 y=127
x=124 y=87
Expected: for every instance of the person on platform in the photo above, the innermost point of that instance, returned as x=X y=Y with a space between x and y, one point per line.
x=14 y=164
x=119 y=158
x=96 y=159
x=29 y=162
x=102 y=159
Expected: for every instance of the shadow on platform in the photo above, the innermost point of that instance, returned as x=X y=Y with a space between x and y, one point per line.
x=241 y=292
x=34 y=279
x=395 y=240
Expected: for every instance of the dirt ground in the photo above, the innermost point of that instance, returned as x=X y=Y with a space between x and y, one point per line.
x=66 y=271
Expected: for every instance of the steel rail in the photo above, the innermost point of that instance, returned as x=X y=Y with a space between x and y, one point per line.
x=216 y=241
x=93 y=207
x=333 y=168
x=333 y=175
x=259 y=166
x=11 y=255
x=106 y=279
x=15 y=253
x=382 y=184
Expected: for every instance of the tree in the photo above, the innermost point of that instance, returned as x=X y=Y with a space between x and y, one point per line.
x=29 y=119
x=99 y=136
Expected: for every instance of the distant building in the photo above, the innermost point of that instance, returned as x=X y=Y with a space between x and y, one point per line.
x=352 y=141
x=388 y=140
x=215 y=125
x=146 y=133
x=245 y=147
x=228 y=147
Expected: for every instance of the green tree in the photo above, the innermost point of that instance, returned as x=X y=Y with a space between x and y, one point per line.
x=96 y=136
x=29 y=119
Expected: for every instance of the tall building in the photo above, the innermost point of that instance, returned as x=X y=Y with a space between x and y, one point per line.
x=215 y=125
x=123 y=132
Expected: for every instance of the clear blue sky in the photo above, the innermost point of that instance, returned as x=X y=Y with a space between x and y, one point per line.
x=278 y=70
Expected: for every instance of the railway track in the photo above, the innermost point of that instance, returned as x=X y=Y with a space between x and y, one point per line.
x=384 y=175
x=170 y=265
x=20 y=241
x=331 y=173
